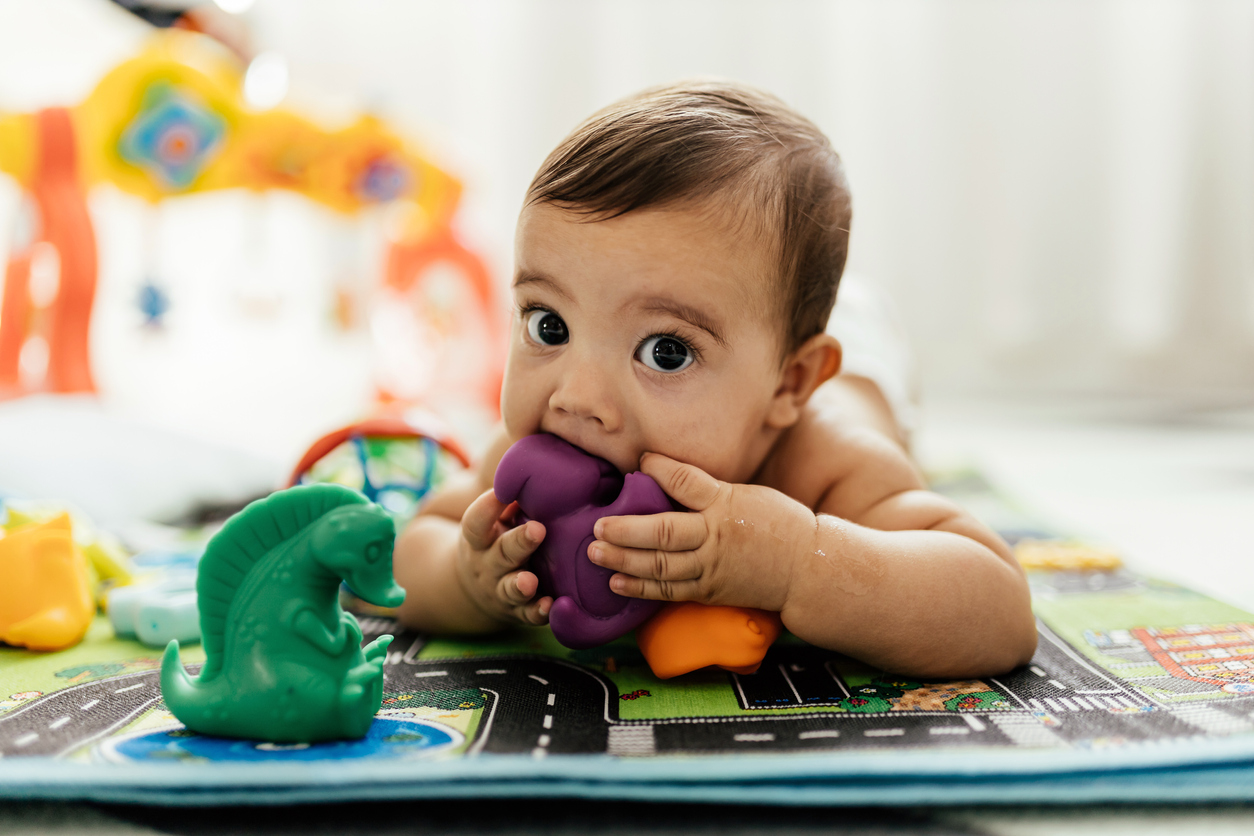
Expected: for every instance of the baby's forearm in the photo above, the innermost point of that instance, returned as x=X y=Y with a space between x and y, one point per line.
x=424 y=563
x=923 y=603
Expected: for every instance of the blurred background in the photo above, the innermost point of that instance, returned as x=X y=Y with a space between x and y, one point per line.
x=1059 y=196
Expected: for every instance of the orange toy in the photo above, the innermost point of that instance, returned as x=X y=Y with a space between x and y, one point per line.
x=686 y=637
x=63 y=226
x=45 y=601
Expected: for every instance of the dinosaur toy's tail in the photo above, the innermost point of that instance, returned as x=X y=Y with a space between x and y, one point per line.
x=177 y=687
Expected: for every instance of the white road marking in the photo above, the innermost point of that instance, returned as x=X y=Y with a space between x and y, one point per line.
x=90 y=705
x=1129 y=703
x=1080 y=701
x=129 y=688
x=1107 y=691
x=1036 y=704
x=810 y=735
x=1034 y=669
x=537 y=679
x=949 y=730
x=1068 y=704
x=552 y=698
x=753 y=738
x=544 y=741
x=884 y=732
x=827 y=666
x=411 y=655
x=791 y=687
x=1058 y=685
x=1114 y=703
x=975 y=723
x=490 y=670
x=26 y=739
x=58 y=723
x=1053 y=706
x=548 y=721
x=421 y=674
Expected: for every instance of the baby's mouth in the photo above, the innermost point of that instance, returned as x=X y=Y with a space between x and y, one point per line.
x=593 y=448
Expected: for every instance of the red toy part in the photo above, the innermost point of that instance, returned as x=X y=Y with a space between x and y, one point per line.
x=64 y=225
x=687 y=636
x=381 y=427
x=408 y=260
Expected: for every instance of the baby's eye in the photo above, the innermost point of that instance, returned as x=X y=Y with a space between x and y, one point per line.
x=664 y=354
x=545 y=327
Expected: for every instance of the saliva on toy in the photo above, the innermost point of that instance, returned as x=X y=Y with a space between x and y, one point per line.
x=568 y=490
x=284 y=662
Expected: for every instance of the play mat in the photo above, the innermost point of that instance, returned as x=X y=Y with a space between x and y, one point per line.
x=1140 y=690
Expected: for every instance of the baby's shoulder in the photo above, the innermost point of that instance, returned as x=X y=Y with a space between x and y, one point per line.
x=821 y=456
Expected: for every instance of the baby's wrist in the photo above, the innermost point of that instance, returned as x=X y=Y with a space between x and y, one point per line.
x=781 y=571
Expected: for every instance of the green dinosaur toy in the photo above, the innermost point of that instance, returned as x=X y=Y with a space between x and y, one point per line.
x=284 y=662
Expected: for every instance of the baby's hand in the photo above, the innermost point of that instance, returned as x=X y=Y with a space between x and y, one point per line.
x=736 y=547
x=488 y=558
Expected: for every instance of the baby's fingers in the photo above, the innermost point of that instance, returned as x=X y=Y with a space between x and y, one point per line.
x=517 y=588
x=647 y=563
x=630 y=587
x=672 y=531
x=537 y=612
x=517 y=544
x=479 y=521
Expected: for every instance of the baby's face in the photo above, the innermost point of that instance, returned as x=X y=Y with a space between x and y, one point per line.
x=651 y=332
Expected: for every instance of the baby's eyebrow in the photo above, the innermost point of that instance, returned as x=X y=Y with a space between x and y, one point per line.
x=525 y=277
x=689 y=314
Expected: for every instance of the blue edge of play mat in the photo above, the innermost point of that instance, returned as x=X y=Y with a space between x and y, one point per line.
x=1181 y=772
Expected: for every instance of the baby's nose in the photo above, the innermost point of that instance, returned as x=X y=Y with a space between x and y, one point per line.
x=586 y=392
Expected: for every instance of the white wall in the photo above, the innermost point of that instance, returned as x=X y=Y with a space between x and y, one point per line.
x=1060 y=193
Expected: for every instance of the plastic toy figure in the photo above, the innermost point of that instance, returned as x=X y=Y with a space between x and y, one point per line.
x=156 y=613
x=45 y=599
x=568 y=490
x=687 y=636
x=283 y=660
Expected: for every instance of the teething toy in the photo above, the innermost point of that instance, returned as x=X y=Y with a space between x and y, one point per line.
x=568 y=490
x=687 y=636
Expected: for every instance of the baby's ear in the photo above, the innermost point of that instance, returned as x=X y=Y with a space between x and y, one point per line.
x=816 y=361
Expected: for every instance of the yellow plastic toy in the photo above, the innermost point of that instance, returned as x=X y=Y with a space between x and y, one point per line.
x=45 y=599
x=106 y=562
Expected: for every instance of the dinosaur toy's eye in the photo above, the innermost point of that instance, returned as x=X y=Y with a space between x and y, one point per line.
x=372 y=553
x=545 y=327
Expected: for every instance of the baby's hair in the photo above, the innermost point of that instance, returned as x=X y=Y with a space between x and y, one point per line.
x=695 y=140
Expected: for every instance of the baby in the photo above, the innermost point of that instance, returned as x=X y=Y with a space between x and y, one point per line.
x=677 y=260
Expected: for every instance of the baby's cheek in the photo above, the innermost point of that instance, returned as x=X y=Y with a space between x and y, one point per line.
x=521 y=406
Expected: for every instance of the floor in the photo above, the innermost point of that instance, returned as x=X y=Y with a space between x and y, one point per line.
x=1171 y=486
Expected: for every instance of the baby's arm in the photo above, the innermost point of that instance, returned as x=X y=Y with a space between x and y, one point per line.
x=907 y=579
x=881 y=570
x=458 y=560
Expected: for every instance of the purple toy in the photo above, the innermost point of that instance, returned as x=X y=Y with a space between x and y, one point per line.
x=568 y=490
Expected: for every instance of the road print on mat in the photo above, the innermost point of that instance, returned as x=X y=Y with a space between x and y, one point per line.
x=526 y=694
x=1122 y=661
